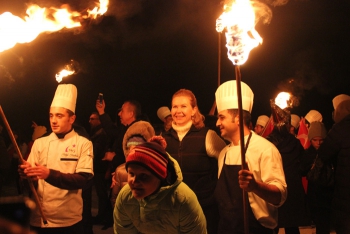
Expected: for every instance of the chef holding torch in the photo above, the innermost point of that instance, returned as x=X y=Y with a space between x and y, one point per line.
x=250 y=167
x=262 y=177
x=61 y=164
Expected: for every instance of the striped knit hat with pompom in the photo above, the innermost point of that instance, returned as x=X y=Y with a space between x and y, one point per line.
x=150 y=155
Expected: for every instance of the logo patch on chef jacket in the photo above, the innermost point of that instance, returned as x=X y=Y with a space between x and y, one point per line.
x=70 y=154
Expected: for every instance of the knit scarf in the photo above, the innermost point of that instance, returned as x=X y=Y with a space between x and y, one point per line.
x=182 y=130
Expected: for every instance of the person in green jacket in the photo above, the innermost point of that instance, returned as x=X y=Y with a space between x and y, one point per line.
x=155 y=200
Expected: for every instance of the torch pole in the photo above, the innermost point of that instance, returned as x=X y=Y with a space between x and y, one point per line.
x=30 y=182
x=241 y=130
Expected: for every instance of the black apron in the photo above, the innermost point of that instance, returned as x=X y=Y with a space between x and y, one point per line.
x=230 y=199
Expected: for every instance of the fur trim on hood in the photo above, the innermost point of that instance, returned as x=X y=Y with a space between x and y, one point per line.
x=139 y=128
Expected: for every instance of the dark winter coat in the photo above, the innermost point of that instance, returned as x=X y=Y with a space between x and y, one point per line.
x=198 y=169
x=293 y=212
x=100 y=142
x=318 y=196
x=336 y=148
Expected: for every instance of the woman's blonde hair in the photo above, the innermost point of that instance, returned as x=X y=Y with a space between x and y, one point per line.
x=197 y=118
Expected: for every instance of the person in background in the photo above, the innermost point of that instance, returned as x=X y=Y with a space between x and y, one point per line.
x=260 y=124
x=312 y=116
x=39 y=131
x=164 y=115
x=263 y=179
x=129 y=113
x=318 y=197
x=139 y=132
x=100 y=142
x=5 y=161
x=14 y=184
x=155 y=200
x=60 y=164
x=294 y=124
x=335 y=149
x=293 y=213
x=338 y=99
x=192 y=144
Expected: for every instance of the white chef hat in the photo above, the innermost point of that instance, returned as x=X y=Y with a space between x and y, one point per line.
x=294 y=120
x=163 y=112
x=262 y=120
x=226 y=96
x=65 y=96
x=313 y=116
x=338 y=99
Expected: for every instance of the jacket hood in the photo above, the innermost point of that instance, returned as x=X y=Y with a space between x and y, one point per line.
x=139 y=128
x=174 y=178
x=342 y=110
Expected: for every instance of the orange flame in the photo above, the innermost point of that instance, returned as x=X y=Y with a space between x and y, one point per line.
x=71 y=68
x=283 y=100
x=99 y=10
x=14 y=29
x=241 y=37
x=62 y=74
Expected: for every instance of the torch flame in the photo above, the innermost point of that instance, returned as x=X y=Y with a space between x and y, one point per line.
x=14 y=29
x=282 y=100
x=99 y=10
x=62 y=74
x=241 y=37
x=71 y=68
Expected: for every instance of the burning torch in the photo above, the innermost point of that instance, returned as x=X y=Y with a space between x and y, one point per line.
x=239 y=20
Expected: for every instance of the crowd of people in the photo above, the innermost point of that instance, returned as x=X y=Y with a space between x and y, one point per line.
x=185 y=176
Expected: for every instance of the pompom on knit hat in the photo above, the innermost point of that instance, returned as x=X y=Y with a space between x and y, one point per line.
x=150 y=155
x=317 y=129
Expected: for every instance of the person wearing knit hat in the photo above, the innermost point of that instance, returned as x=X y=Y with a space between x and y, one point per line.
x=61 y=164
x=318 y=197
x=264 y=182
x=192 y=143
x=317 y=132
x=261 y=123
x=155 y=179
x=312 y=116
x=335 y=149
x=138 y=133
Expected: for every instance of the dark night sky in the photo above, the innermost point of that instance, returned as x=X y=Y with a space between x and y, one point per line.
x=148 y=49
